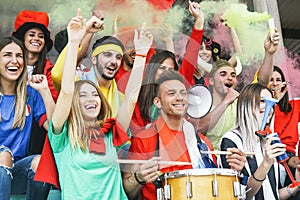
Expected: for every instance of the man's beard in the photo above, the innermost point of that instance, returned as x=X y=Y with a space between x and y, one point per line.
x=108 y=77
x=100 y=71
x=127 y=61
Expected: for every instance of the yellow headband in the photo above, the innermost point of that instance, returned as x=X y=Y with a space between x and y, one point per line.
x=107 y=47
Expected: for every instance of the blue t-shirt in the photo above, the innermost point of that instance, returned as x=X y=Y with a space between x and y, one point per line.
x=15 y=139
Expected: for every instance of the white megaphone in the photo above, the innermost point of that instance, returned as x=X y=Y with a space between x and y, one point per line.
x=199 y=101
x=269 y=103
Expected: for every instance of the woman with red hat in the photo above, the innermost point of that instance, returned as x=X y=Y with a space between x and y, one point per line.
x=31 y=27
x=20 y=104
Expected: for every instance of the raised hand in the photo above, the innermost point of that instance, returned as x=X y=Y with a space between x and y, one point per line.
x=76 y=28
x=142 y=40
x=167 y=33
x=271 y=46
x=38 y=82
x=94 y=25
x=195 y=10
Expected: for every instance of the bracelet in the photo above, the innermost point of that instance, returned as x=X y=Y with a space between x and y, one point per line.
x=288 y=189
x=136 y=178
x=258 y=180
x=142 y=55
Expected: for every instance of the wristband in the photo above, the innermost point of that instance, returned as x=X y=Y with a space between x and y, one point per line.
x=288 y=189
x=136 y=178
x=258 y=180
x=142 y=55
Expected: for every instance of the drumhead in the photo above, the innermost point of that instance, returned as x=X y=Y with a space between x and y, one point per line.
x=201 y=172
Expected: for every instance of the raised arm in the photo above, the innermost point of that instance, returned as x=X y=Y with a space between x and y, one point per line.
x=39 y=82
x=266 y=69
x=189 y=62
x=93 y=25
x=76 y=30
x=142 y=44
x=167 y=37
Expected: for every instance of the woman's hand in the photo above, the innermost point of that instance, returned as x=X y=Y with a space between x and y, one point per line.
x=237 y=159
x=38 y=82
x=273 y=150
x=142 y=40
x=195 y=10
x=76 y=28
x=271 y=45
x=94 y=25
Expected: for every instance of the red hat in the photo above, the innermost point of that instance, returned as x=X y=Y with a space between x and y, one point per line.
x=28 y=19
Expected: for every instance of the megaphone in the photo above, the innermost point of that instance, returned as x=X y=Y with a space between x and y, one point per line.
x=199 y=101
x=269 y=103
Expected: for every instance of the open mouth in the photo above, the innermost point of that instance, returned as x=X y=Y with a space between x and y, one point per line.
x=111 y=69
x=12 y=69
x=178 y=105
x=229 y=85
x=90 y=107
x=35 y=44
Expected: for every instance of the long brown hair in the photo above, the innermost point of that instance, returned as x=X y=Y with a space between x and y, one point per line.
x=20 y=90
x=78 y=130
x=148 y=92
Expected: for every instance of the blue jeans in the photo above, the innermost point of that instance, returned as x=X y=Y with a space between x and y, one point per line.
x=19 y=180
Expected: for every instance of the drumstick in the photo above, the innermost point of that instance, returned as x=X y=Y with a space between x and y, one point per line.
x=161 y=162
x=225 y=153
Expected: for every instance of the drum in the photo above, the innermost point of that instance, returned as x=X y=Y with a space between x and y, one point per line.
x=207 y=184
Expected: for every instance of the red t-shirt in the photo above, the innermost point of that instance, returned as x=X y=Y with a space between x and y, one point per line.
x=122 y=79
x=286 y=125
x=171 y=147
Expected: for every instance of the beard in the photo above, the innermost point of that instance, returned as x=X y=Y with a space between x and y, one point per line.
x=127 y=61
x=100 y=71
x=108 y=77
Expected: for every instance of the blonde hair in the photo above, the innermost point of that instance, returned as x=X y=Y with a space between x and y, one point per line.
x=248 y=114
x=78 y=131
x=20 y=90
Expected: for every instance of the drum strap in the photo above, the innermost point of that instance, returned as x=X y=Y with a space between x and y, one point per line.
x=205 y=158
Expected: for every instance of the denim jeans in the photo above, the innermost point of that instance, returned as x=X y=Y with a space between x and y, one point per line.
x=19 y=180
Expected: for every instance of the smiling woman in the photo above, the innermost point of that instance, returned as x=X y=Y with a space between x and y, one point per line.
x=31 y=27
x=20 y=104
x=81 y=130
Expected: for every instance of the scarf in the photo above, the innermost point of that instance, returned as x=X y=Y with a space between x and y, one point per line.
x=47 y=170
x=97 y=144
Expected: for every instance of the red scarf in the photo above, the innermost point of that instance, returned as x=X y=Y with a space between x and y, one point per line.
x=47 y=170
x=97 y=144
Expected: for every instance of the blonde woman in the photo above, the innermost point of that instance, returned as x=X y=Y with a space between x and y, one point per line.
x=84 y=139
x=19 y=105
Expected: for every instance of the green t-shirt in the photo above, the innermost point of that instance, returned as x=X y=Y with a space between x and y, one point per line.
x=84 y=175
x=225 y=123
